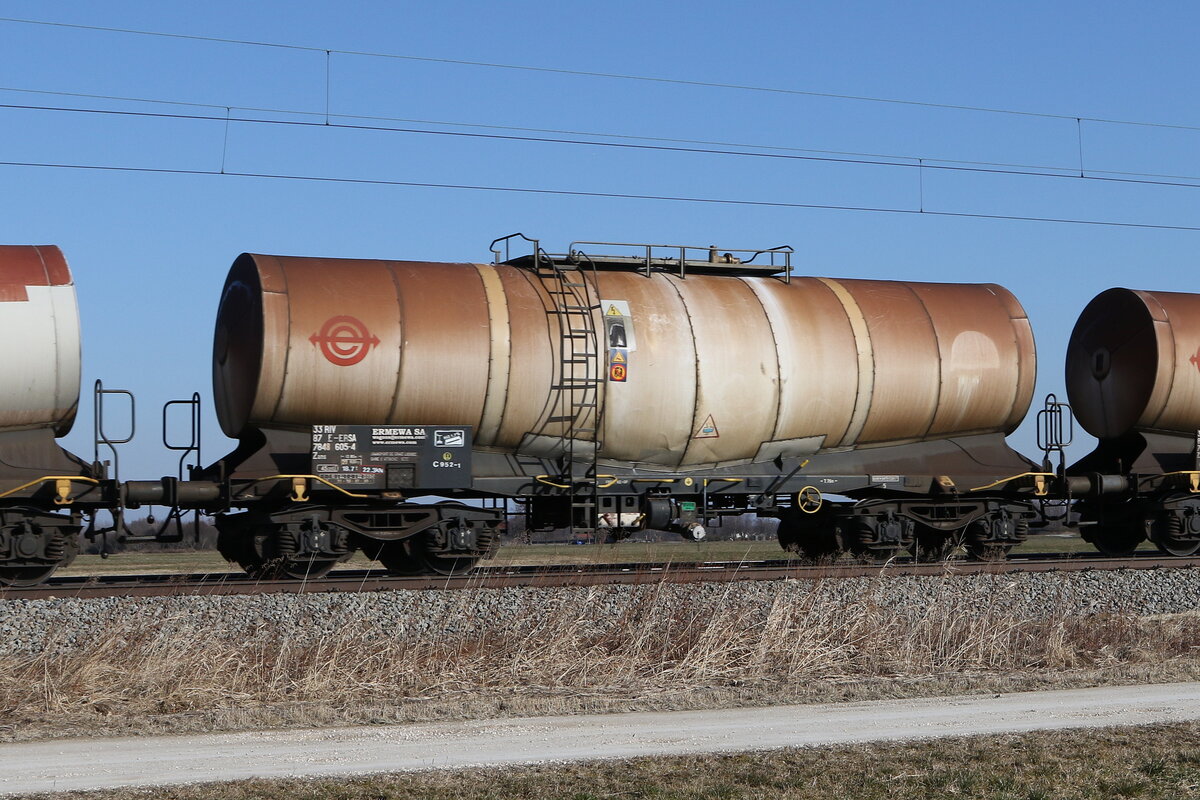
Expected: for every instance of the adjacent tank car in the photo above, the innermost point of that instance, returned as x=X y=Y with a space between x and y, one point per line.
x=44 y=490
x=1133 y=379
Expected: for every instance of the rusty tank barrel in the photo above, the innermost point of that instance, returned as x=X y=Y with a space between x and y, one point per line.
x=707 y=369
x=1133 y=363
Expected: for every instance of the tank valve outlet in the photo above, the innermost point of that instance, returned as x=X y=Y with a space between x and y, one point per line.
x=693 y=532
x=299 y=490
x=63 y=488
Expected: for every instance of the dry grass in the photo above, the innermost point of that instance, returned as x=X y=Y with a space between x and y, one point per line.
x=654 y=653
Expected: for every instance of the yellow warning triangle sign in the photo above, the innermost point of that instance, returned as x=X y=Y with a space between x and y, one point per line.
x=613 y=312
x=708 y=429
x=618 y=358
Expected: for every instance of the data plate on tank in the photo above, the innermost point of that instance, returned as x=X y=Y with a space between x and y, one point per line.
x=393 y=457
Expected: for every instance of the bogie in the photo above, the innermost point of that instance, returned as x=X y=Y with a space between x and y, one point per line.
x=34 y=545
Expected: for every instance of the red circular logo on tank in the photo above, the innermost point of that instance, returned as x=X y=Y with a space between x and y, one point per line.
x=344 y=341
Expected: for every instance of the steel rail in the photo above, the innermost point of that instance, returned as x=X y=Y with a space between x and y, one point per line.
x=568 y=575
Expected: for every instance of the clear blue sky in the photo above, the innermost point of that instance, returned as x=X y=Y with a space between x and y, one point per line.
x=150 y=251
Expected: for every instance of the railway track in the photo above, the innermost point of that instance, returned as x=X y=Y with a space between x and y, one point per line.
x=565 y=575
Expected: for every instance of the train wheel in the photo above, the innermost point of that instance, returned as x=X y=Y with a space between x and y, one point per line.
x=47 y=548
x=1178 y=547
x=254 y=564
x=820 y=547
x=862 y=539
x=811 y=535
x=1115 y=541
x=989 y=552
x=307 y=568
x=931 y=544
x=877 y=554
x=1173 y=537
x=448 y=565
x=979 y=547
x=398 y=558
x=409 y=558
x=237 y=547
x=814 y=544
x=26 y=576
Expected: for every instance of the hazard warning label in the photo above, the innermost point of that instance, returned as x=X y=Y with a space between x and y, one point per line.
x=618 y=365
x=618 y=325
x=708 y=429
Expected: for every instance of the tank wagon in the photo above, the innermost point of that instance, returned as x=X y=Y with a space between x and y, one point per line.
x=665 y=389
x=408 y=409
x=44 y=490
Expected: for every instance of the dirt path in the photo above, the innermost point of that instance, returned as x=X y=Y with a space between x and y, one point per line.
x=100 y=763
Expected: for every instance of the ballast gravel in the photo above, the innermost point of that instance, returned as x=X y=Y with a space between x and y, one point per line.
x=32 y=626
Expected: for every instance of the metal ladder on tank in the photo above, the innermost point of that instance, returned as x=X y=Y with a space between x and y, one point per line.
x=575 y=392
x=575 y=397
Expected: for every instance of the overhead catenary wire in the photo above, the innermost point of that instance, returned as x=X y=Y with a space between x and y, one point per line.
x=606 y=195
x=1003 y=166
x=880 y=161
x=633 y=142
x=923 y=159
x=596 y=74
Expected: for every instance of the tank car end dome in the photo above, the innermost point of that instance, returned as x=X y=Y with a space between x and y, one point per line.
x=238 y=345
x=1133 y=363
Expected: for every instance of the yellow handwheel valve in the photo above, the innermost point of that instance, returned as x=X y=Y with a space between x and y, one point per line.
x=809 y=500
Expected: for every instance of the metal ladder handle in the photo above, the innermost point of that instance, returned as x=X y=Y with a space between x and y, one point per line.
x=98 y=418
x=193 y=446
x=1055 y=430
x=101 y=437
